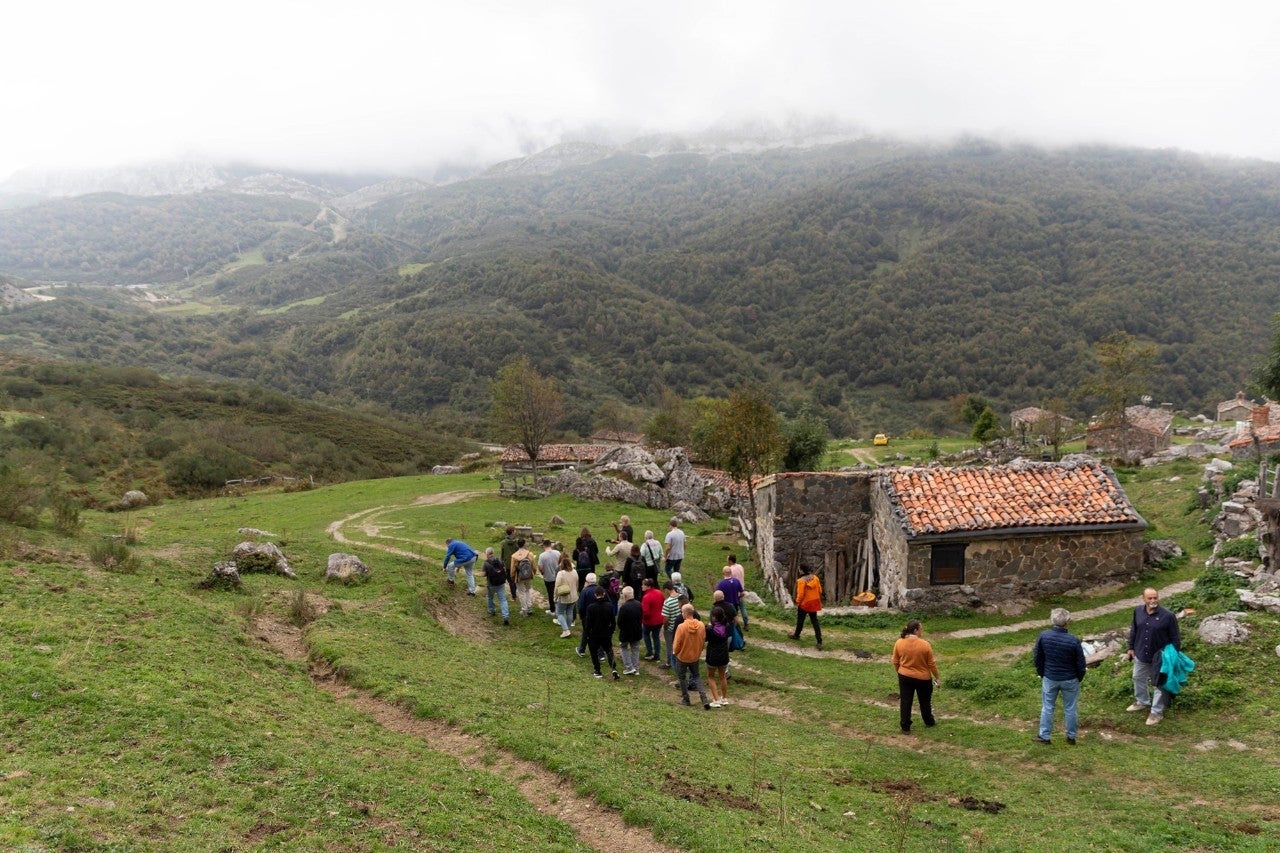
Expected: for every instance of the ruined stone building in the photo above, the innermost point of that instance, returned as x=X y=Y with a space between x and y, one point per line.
x=935 y=538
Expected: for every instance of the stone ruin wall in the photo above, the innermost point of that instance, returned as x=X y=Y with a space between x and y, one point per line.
x=1022 y=567
x=801 y=518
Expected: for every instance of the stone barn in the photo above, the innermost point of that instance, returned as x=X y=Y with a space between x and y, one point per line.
x=935 y=538
x=1145 y=431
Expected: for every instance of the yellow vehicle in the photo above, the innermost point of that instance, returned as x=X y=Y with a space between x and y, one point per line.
x=880 y=439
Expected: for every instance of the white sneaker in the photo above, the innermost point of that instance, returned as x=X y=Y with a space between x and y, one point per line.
x=715 y=704
x=1137 y=707
x=1153 y=720
x=549 y=612
x=564 y=634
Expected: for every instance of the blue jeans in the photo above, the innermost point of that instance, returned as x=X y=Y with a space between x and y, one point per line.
x=670 y=566
x=1049 y=692
x=565 y=614
x=669 y=634
x=501 y=592
x=469 y=567
x=1144 y=673
x=653 y=640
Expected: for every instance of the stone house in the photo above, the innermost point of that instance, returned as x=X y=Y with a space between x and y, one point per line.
x=552 y=457
x=1145 y=431
x=1239 y=409
x=1033 y=421
x=935 y=538
x=1262 y=436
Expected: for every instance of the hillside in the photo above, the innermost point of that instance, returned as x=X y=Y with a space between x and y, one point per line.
x=878 y=278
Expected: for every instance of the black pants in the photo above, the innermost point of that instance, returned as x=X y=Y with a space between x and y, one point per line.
x=601 y=648
x=813 y=618
x=907 y=687
x=551 y=595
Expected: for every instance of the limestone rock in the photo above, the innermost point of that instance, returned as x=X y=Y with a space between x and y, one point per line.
x=225 y=575
x=1158 y=550
x=1253 y=600
x=634 y=463
x=134 y=498
x=261 y=557
x=1222 y=629
x=446 y=469
x=253 y=531
x=346 y=568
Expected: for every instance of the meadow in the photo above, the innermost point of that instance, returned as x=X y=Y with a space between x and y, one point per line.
x=141 y=712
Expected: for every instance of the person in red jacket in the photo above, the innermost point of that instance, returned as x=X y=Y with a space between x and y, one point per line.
x=808 y=603
x=651 y=618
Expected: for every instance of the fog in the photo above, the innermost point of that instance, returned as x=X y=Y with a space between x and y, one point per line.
x=392 y=86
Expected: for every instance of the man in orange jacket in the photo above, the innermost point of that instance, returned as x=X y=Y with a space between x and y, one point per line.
x=688 y=645
x=808 y=603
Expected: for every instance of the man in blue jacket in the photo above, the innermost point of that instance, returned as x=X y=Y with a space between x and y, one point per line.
x=1153 y=628
x=460 y=555
x=1059 y=659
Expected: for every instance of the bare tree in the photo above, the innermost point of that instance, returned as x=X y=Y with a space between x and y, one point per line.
x=526 y=406
x=745 y=439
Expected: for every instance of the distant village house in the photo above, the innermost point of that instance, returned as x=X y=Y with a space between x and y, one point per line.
x=1239 y=409
x=1144 y=431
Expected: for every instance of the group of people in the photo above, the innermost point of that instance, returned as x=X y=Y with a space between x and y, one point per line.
x=629 y=599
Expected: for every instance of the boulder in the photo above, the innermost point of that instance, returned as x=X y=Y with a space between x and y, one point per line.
x=632 y=462
x=261 y=557
x=1159 y=550
x=1217 y=466
x=1254 y=601
x=253 y=531
x=1222 y=629
x=446 y=469
x=225 y=575
x=134 y=498
x=346 y=568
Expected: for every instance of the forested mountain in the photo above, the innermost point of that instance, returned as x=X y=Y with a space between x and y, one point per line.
x=878 y=279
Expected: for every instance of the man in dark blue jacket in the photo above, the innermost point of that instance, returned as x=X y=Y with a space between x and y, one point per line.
x=460 y=555
x=1059 y=659
x=1153 y=628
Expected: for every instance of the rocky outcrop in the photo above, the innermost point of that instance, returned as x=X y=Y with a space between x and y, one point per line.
x=347 y=569
x=261 y=557
x=225 y=575
x=659 y=480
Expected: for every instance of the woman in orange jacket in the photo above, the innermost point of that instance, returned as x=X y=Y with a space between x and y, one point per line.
x=808 y=603
x=917 y=674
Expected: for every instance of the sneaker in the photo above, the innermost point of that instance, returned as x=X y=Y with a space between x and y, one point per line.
x=685 y=702
x=549 y=612
x=706 y=706
x=581 y=653
x=493 y=613
x=794 y=636
x=506 y=621
x=451 y=583
x=597 y=675
x=470 y=593
x=1071 y=741
x=615 y=675
x=1154 y=720
x=1138 y=707
x=564 y=634
x=634 y=672
x=715 y=704
x=724 y=701
x=666 y=666
x=819 y=646
x=1043 y=740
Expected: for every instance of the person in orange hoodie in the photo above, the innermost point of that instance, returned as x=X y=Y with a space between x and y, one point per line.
x=688 y=645
x=917 y=674
x=808 y=603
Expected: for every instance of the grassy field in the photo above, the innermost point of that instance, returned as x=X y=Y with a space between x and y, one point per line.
x=143 y=713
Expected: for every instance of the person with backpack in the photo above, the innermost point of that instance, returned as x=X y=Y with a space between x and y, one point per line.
x=460 y=555
x=522 y=570
x=585 y=599
x=549 y=564
x=808 y=603
x=633 y=571
x=586 y=554
x=509 y=547
x=630 y=630
x=719 y=630
x=495 y=576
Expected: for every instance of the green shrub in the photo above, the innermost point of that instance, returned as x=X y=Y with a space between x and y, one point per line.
x=1244 y=548
x=66 y=513
x=113 y=555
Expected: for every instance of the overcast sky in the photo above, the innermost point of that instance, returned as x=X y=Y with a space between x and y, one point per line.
x=383 y=85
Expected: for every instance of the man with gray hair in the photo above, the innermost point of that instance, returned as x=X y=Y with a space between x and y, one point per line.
x=1059 y=659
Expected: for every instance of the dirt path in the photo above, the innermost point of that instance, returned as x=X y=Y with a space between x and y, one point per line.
x=1076 y=615
x=863 y=455
x=371 y=528
x=596 y=825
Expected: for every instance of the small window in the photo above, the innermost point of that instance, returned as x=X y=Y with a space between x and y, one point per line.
x=947 y=565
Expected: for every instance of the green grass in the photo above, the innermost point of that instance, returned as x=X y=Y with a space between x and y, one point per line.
x=141 y=713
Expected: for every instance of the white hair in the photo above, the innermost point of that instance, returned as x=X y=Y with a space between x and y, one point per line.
x=1060 y=616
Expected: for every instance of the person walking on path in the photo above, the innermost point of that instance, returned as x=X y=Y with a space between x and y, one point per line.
x=673 y=548
x=690 y=642
x=509 y=546
x=460 y=555
x=598 y=626
x=586 y=598
x=808 y=603
x=1059 y=659
x=671 y=617
x=630 y=630
x=651 y=553
x=651 y=619
x=735 y=569
x=718 y=632
x=586 y=551
x=548 y=565
x=917 y=675
x=1153 y=629
x=521 y=568
x=495 y=576
x=566 y=596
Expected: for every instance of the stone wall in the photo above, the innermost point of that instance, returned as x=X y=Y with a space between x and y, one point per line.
x=1024 y=567
x=1118 y=439
x=891 y=544
x=800 y=518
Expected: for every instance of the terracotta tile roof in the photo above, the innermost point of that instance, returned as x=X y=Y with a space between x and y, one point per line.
x=723 y=480
x=1266 y=435
x=1145 y=418
x=617 y=436
x=1034 y=415
x=951 y=500
x=556 y=453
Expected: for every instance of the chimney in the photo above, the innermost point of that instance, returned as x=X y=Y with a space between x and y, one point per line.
x=1261 y=416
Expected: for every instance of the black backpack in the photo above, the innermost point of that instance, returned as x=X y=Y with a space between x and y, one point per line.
x=524 y=569
x=636 y=572
x=584 y=560
x=494 y=573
